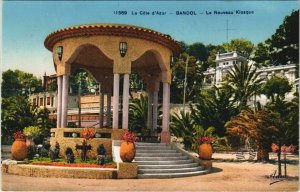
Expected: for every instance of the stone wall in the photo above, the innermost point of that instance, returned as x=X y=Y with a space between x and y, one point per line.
x=59 y=135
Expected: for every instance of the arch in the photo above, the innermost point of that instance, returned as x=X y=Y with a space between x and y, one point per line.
x=90 y=55
x=144 y=56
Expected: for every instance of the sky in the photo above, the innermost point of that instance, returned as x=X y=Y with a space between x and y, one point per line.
x=25 y=25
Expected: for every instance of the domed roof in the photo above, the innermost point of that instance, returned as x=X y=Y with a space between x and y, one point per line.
x=112 y=30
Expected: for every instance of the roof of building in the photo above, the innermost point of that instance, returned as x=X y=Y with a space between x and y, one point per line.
x=112 y=30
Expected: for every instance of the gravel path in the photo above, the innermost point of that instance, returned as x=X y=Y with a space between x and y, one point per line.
x=226 y=177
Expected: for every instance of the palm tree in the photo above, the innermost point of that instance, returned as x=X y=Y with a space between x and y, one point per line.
x=261 y=126
x=245 y=82
x=138 y=110
x=214 y=108
x=183 y=126
x=288 y=123
x=138 y=114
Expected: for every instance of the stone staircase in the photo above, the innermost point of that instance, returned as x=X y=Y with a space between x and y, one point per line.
x=158 y=160
x=5 y=152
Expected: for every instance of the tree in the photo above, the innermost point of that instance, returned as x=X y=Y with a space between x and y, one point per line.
x=276 y=88
x=213 y=109
x=261 y=126
x=17 y=113
x=287 y=124
x=283 y=46
x=262 y=55
x=198 y=50
x=84 y=80
x=19 y=83
x=183 y=126
x=284 y=43
x=194 y=80
x=245 y=82
x=44 y=122
x=241 y=45
x=138 y=114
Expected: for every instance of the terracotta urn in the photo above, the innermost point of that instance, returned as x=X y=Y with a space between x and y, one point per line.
x=19 y=149
x=127 y=151
x=205 y=151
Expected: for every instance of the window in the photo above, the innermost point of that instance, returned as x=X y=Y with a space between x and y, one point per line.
x=52 y=101
x=34 y=101
x=41 y=102
x=48 y=100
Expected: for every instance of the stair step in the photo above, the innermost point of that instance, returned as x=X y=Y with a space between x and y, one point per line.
x=173 y=166
x=153 y=147
x=179 y=170
x=156 y=151
x=171 y=175
x=158 y=154
x=160 y=158
x=174 y=162
x=6 y=156
x=150 y=144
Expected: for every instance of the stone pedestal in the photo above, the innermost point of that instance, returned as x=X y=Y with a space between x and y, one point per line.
x=127 y=170
x=207 y=164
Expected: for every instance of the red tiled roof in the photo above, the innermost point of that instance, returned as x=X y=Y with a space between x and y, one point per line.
x=113 y=30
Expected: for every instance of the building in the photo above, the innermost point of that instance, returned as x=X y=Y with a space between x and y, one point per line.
x=226 y=61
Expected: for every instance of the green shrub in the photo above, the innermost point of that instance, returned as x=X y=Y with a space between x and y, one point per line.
x=32 y=131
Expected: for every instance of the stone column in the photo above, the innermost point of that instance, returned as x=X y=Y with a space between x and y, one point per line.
x=108 y=110
x=101 y=113
x=116 y=101
x=125 y=101
x=59 y=101
x=165 y=134
x=149 y=113
x=64 y=107
x=155 y=105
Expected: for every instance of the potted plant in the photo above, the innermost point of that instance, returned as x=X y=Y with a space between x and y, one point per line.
x=87 y=134
x=127 y=149
x=19 y=148
x=31 y=133
x=205 y=147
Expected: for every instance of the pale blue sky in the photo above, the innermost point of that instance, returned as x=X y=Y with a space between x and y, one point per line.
x=25 y=25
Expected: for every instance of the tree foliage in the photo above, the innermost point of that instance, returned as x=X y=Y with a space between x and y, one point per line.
x=276 y=88
x=16 y=114
x=19 y=83
x=213 y=109
x=259 y=126
x=241 y=45
x=283 y=46
x=84 y=80
x=194 y=79
x=245 y=82
x=184 y=126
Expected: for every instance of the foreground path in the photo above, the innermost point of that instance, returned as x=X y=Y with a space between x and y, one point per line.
x=226 y=177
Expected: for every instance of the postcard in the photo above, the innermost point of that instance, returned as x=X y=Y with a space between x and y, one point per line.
x=150 y=95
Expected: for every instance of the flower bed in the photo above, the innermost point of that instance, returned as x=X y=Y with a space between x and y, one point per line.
x=62 y=164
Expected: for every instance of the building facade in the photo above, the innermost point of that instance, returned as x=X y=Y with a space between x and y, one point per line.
x=226 y=61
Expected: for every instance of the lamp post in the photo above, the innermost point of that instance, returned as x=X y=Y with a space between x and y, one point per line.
x=185 y=83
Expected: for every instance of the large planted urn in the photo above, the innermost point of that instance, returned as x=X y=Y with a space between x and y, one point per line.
x=19 y=149
x=205 y=147
x=127 y=149
x=205 y=151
